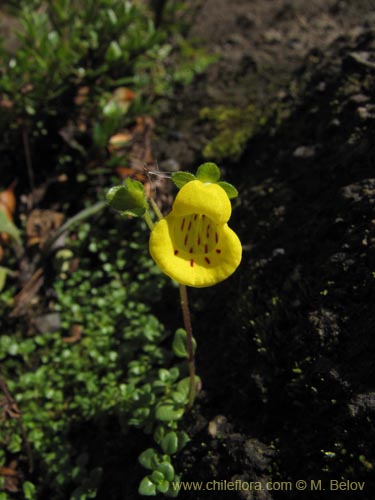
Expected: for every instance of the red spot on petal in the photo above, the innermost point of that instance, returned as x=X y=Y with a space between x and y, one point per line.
x=218 y=251
x=191 y=250
x=207 y=260
x=189 y=226
x=195 y=217
x=183 y=223
x=216 y=237
x=176 y=252
x=206 y=248
x=199 y=239
x=191 y=262
x=185 y=240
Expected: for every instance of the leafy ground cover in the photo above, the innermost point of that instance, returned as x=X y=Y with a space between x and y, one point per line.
x=82 y=351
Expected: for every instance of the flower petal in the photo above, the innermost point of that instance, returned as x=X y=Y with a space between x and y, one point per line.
x=196 y=270
x=197 y=197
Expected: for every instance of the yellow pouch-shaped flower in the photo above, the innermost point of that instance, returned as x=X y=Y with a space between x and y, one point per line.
x=194 y=245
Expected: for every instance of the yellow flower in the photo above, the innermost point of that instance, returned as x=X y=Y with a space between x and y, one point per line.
x=194 y=245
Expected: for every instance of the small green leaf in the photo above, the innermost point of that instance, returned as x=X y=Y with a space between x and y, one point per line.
x=229 y=189
x=159 y=433
x=147 y=487
x=183 y=385
x=112 y=111
x=114 y=52
x=208 y=172
x=15 y=443
x=182 y=178
x=169 y=443
x=168 y=411
x=28 y=490
x=179 y=343
x=148 y=458
x=178 y=397
x=167 y=470
x=129 y=199
x=163 y=375
x=163 y=486
x=174 y=373
x=157 y=477
x=183 y=439
x=6 y=226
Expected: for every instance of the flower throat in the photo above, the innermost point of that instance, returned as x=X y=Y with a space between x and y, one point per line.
x=195 y=234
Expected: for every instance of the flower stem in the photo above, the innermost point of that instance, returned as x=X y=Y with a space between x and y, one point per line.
x=189 y=343
x=156 y=209
x=148 y=220
x=185 y=314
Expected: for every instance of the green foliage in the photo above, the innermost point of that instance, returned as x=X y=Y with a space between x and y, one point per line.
x=229 y=189
x=179 y=343
x=66 y=45
x=207 y=172
x=162 y=475
x=181 y=178
x=117 y=367
x=95 y=46
x=110 y=366
x=129 y=199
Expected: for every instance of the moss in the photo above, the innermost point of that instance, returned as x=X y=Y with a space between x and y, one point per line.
x=234 y=127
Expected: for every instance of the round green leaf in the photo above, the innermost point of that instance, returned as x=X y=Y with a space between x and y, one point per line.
x=129 y=198
x=28 y=490
x=208 y=172
x=147 y=487
x=148 y=458
x=178 y=397
x=183 y=439
x=167 y=470
x=168 y=411
x=159 y=433
x=229 y=189
x=182 y=178
x=157 y=477
x=169 y=443
x=113 y=52
x=163 y=486
x=163 y=375
x=179 y=343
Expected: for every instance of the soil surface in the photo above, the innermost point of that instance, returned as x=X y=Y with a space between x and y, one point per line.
x=286 y=346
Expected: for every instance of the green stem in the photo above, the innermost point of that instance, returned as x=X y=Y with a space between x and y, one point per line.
x=81 y=216
x=189 y=343
x=148 y=220
x=156 y=209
